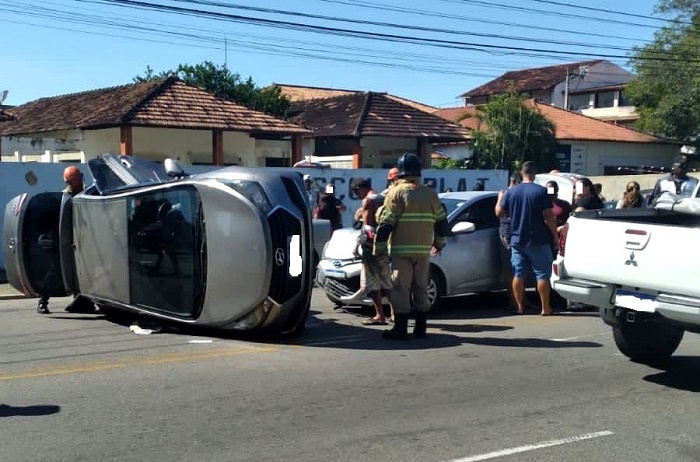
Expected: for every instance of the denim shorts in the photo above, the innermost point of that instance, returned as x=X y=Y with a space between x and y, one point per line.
x=538 y=257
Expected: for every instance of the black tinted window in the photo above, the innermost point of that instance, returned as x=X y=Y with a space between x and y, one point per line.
x=165 y=238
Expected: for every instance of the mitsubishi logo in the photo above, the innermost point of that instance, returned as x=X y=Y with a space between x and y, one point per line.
x=279 y=257
x=631 y=261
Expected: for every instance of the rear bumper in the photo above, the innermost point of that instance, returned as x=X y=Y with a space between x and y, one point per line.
x=589 y=293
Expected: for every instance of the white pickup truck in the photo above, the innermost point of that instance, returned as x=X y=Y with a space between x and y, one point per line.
x=640 y=267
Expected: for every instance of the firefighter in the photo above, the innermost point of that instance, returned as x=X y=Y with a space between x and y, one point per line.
x=412 y=227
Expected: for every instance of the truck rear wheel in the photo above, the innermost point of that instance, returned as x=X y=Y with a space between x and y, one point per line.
x=647 y=343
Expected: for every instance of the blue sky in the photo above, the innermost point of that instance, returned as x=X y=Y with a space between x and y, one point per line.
x=53 y=47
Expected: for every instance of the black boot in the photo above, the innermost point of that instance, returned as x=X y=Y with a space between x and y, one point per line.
x=421 y=328
x=43 y=306
x=80 y=305
x=400 y=329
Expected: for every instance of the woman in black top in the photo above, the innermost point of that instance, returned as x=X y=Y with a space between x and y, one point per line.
x=586 y=196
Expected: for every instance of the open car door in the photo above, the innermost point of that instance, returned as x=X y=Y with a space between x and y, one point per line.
x=31 y=246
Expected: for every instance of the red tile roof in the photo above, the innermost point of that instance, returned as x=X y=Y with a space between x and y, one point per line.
x=302 y=93
x=159 y=103
x=568 y=125
x=524 y=80
x=372 y=114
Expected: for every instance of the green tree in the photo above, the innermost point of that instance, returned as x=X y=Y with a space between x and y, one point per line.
x=512 y=131
x=667 y=88
x=220 y=81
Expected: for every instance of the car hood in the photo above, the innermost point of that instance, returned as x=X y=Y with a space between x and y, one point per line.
x=342 y=244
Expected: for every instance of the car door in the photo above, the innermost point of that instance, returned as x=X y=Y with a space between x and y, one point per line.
x=472 y=260
x=31 y=246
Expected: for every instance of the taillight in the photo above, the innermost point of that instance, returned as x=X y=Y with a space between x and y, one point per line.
x=562 y=239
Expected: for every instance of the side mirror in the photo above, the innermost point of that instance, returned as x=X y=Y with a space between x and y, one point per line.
x=173 y=169
x=463 y=227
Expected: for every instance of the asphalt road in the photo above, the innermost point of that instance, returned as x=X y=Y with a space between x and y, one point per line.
x=485 y=385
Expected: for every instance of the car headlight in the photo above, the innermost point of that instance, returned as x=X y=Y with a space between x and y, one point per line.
x=252 y=191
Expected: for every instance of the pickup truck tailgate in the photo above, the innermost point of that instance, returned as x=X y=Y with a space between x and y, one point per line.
x=633 y=254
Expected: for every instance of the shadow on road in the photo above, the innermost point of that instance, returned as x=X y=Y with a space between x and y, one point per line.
x=529 y=343
x=28 y=411
x=681 y=373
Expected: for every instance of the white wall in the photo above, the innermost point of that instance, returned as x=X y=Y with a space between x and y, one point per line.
x=152 y=143
x=55 y=141
x=272 y=148
x=377 y=150
x=596 y=155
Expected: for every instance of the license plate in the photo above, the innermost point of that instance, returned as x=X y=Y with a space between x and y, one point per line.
x=335 y=273
x=636 y=301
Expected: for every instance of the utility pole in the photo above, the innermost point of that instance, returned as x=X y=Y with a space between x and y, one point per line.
x=581 y=72
x=225 y=52
x=566 y=91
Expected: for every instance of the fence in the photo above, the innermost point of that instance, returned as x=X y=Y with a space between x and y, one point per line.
x=47 y=157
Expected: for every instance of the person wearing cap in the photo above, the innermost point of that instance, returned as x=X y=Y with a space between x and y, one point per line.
x=412 y=226
x=677 y=182
x=311 y=192
x=73 y=178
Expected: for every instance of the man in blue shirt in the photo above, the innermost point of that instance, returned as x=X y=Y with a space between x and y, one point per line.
x=533 y=235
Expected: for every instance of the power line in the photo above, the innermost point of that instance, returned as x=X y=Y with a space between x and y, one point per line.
x=285 y=24
x=422 y=12
x=525 y=9
x=388 y=24
x=605 y=10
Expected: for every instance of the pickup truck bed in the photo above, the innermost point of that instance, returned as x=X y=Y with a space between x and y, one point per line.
x=640 y=267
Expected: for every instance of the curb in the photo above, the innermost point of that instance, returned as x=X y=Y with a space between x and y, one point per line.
x=13 y=297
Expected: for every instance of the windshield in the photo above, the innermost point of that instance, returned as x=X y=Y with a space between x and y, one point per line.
x=112 y=172
x=144 y=171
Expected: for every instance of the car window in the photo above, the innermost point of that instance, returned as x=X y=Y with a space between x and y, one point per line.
x=481 y=213
x=165 y=241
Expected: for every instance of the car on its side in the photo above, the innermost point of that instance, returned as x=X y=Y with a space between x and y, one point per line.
x=231 y=248
x=471 y=262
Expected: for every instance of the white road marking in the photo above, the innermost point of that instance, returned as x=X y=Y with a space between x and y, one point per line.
x=201 y=340
x=533 y=447
x=568 y=339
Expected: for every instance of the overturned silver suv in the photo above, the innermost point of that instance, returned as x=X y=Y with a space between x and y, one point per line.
x=230 y=249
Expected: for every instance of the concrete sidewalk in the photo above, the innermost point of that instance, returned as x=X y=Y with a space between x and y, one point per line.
x=7 y=292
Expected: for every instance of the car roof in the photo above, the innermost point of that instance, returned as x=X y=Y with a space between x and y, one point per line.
x=466 y=195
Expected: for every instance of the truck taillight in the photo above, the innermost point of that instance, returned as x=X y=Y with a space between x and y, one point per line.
x=562 y=239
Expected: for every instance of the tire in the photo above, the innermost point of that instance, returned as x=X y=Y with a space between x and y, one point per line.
x=647 y=343
x=436 y=287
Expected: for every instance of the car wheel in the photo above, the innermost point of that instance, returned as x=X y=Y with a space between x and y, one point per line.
x=436 y=287
x=647 y=343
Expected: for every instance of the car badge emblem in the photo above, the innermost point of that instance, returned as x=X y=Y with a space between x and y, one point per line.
x=279 y=257
x=337 y=263
x=631 y=261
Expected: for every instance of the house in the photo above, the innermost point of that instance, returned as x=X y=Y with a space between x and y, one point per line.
x=155 y=119
x=594 y=88
x=587 y=145
x=374 y=127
